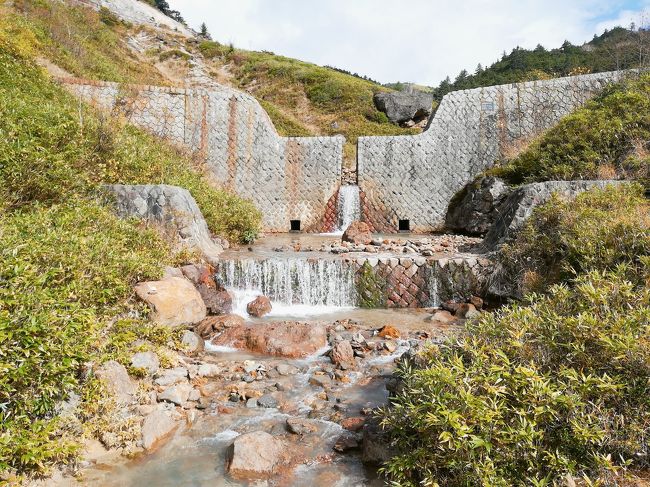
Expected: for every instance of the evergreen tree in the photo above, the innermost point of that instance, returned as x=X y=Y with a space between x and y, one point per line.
x=204 y=32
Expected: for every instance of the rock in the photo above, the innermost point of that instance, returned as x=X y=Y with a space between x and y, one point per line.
x=358 y=233
x=390 y=346
x=400 y=107
x=251 y=403
x=346 y=442
x=467 y=311
x=118 y=382
x=286 y=369
x=171 y=207
x=284 y=339
x=209 y=370
x=389 y=331
x=195 y=395
x=192 y=342
x=156 y=427
x=477 y=302
x=267 y=401
x=177 y=394
x=477 y=206
x=300 y=426
x=520 y=203
x=374 y=446
x=443 y=316
x=320 y=380
x=259 y=307
x=342 y=355
x=217 y=300
x=254 y=455
x=174 y=301
x=170 y=377
x=353 y=424
x=215 y=324
x=147 y=361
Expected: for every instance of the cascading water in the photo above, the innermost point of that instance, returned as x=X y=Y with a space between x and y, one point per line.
x=295 y=286
x=349 y=206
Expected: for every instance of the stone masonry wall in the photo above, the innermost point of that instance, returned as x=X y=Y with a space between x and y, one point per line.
x=288 y=178
x=414 y=177
x=419 y=282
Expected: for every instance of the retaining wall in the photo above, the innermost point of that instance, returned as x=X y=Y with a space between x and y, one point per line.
x=414 y=177
x=288 y=178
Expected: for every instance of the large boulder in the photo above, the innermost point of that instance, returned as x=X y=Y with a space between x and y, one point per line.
x=259 y=307
x=254 y=455
x=217 y=299
x=174 y=301
x=519 y=206
x=342 y=355
x=477 y=206
x=285 y=339
x=171 y=207
x=216 y=324
x=358 y=233
x=156 y=427
x=118 y=382
x=401 y=107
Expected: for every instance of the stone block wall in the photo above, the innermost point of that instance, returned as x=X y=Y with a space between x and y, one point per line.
x=414 y=177
x=288 y=178
x=419 y=282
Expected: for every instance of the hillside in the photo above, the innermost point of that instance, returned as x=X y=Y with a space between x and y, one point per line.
x=619 y=48
x=301 y=98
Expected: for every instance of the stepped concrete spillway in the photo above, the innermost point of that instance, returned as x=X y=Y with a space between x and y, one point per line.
x=404 y=182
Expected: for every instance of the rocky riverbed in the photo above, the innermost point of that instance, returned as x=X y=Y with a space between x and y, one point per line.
x=293 y=404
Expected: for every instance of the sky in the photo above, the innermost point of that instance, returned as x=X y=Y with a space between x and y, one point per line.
x=420 y=41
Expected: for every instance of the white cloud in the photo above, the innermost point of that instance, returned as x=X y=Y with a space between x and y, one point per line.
x=421 y=41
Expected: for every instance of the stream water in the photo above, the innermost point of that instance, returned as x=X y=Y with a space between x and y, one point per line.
x=306 y=286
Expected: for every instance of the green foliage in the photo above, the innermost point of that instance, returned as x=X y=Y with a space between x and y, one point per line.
x=607 y=138
x=532 y=393
x=600 y=230
x=86 y=43
x=67 y=263
x=615 y=49
x=317 y=99
x=175 y=54
x=51 y=147
x=64 y=271
x=370 y=287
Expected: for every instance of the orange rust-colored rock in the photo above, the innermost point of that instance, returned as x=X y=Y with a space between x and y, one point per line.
x=283 y=339
x=259 y=307
x=358 y=233
x=389 y=331
x=214 y=324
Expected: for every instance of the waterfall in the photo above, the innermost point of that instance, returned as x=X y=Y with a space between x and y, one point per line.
x=289 y=282
x=349 y=207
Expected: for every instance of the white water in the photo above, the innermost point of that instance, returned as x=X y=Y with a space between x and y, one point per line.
x=348 y=208
x=296 y=287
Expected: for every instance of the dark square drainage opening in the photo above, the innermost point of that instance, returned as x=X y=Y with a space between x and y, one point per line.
x=295 y=225
x=404 y=225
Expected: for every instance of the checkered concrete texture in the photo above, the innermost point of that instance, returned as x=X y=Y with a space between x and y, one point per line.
x=287 y=178
x=417 y=282
x=414 y=177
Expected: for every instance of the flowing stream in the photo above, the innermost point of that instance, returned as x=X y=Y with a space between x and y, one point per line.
x=295 y=286
x=349 y=206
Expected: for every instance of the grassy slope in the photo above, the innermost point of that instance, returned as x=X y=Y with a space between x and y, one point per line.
x=305 y=99
x=67 y=264
x=608 y=138
x=301 y=98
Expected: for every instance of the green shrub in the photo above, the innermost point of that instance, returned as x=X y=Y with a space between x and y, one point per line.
x=174 y=53
x=532 y=393
x=600 y=230
x=607 y=138
x=52 y=147
x=64 y=271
